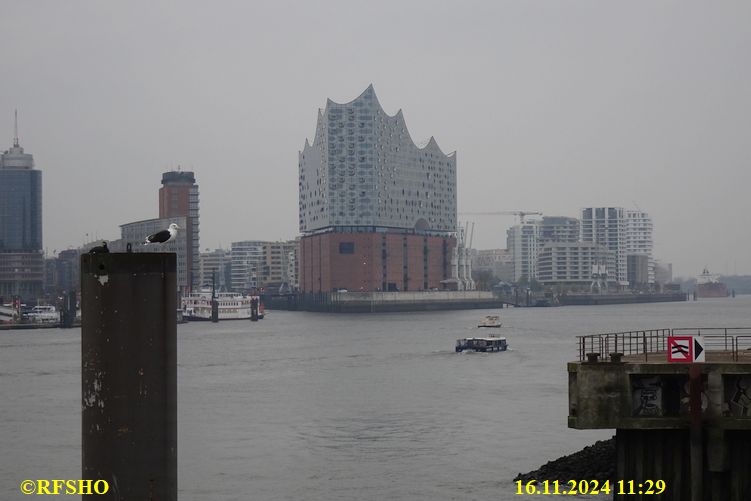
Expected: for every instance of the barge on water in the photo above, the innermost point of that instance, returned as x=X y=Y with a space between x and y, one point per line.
x=482 y=344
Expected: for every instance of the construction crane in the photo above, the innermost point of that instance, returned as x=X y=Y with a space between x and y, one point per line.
x=520 y=213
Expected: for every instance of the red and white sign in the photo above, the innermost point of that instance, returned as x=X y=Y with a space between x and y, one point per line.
x=680 y=349
x=686 y=349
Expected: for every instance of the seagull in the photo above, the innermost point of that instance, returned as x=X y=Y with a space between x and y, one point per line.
x=164 y=236
x=100 y=249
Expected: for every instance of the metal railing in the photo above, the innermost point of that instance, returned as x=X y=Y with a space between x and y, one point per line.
x=735 y=341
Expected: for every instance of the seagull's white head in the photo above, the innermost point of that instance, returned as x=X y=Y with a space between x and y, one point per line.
x=173 y=227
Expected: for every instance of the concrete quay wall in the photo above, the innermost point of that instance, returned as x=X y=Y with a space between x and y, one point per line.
x=655 y=395
x=383 y=302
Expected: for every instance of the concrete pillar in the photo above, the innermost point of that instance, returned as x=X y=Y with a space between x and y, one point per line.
x=68 y=310
x=129 y=374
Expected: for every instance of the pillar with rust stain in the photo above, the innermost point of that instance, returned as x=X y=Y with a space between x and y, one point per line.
x=129 y=374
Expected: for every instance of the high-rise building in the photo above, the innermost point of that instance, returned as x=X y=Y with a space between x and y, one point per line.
x=274 y=269
x=606 y=226
x=525 y=240
x=637 y=269
x=572 y=263
x=62 y=273
x=22 y=275
x=639 y=243
x=626 y=233
x=216 y=269
x=522 y=241
x=377 y=212
x=247 y=257
x=499 y=262
x=178 y=196
x=293 y=267
x=558 y=229
x=262 y=264
x=21 y=258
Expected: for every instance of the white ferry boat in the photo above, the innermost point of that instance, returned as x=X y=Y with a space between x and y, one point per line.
x=232 y=306
x=43 y=314
x=490 y=321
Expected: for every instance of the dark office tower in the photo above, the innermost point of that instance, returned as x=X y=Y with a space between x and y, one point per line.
x=178 y=196
x=21 y=258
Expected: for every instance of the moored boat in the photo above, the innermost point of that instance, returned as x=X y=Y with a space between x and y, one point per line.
x=43 y=314
x=231 y=306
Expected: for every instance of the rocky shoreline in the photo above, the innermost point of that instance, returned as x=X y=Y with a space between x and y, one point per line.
x=594 y=462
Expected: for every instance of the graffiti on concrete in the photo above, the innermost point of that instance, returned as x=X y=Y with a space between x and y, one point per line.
x=738 y=394
x=646 y=396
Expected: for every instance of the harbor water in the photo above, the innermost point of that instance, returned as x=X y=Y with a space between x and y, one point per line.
x=307 y=406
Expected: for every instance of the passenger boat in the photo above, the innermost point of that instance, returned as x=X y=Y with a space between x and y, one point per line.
x=483 y=344
x=43 y=314
x=491 y=321
x=232 y=306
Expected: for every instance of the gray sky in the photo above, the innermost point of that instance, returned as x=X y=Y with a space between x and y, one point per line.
x=550 y=105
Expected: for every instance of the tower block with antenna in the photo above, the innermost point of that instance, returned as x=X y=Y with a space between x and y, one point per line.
x=15 y=130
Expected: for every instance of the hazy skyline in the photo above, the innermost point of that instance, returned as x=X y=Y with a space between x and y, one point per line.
x=551 y=106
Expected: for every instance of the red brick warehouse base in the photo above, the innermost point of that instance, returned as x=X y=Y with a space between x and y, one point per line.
x=374 y=261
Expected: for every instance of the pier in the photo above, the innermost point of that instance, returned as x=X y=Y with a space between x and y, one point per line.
x=688 y=424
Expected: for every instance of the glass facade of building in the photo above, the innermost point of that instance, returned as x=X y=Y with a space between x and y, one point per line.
x=21 y=258
x=20 y=202
x=364 y=169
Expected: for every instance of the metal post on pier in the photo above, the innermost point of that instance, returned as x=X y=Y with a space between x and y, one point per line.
x=695 y=436
x=254 y=309
x=67 y=309
x=214 y=310
x=214 y=301
x=129 y=374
